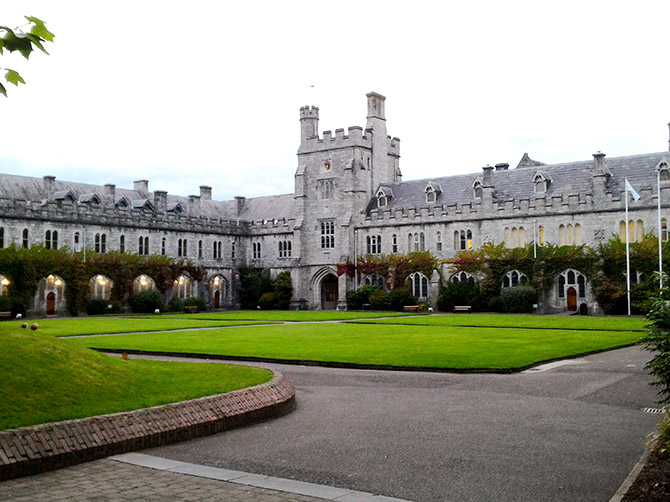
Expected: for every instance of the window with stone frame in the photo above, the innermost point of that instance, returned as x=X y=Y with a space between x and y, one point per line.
x=540 y=235
x=200 y=249
x=217 y=250
x=514 y=278
x=327 y=189
x=571 y=278
x=664 y=230
x=143 y=245
x=256 y=250
x=438 y=241
x=515 y=237
x=122 y=244
x=382 y=200
x=570 y=234
x=374 y=244
x=25 y=238
x=418 y=285
x=462 y=240
x=394 y=243
x=100 y=242
x=635 y=230
x=374 y=280
x=327 y=234
x=233 y=251
x=2 y=237
x=51 y=239
x=284 y=249
x=462 y=276
x=163 y=246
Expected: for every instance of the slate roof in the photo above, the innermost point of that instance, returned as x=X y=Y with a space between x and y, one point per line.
x=566 y=178
x=255 y=209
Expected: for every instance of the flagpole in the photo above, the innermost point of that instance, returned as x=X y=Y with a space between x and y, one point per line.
x=627 y=248
x=660 y=239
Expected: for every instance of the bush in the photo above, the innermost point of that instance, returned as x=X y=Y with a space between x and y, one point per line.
x=612 y=297
x=96 y=306
x=519 y=299
x=174 y=305
x=268 y=301
x=400 y=297
x=146 y=302
x=657 y=341
x=197 y=302
x=360 y=296
x=459 y=293
x=496 y=304
x=283 y=290
x=253 y=283
x=379 y=300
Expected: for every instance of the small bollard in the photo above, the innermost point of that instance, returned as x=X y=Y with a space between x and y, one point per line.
x=34 y=326
x=157 y=311
x=24 y=325
x=124 y=356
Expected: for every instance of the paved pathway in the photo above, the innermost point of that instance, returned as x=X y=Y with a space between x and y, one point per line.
x=569 y=431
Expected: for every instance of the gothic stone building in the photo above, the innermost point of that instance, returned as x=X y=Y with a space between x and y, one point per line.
x=349 y=200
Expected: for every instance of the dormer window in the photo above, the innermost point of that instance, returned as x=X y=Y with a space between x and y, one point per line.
x=541 y=181
x=477 y=189
x=663 y=170
x=122 y=202
x=432 y=191
x=89 y=198
x=64 y=195
x=383 y=195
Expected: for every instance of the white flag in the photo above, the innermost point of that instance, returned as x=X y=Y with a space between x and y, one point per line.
x=629 y=187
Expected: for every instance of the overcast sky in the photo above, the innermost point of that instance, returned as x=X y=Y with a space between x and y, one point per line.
x=203 y=92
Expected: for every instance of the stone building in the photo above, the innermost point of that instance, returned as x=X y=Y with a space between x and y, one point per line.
x=349 y=200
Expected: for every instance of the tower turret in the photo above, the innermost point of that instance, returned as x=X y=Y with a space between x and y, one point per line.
x=309 y=122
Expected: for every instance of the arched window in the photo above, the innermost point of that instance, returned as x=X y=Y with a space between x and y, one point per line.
x=561 y=235
x=664 y=230
x=540 y=234
x=430 y=195
x=374 y=244
x=2 y=237
x=438 y=241
x=100 y=243
x=76 y=242
x=374 y=280
x=100 y=287
x=394 y=243
x=462 y=277
x=233 y=250
x=382 y=201
x=163 y=246
x=4 y=284
x=477 y=189
x=25 y=238
x=122 y=244
x=418 y=285
x=199 y=249
x=182 y=287
x=217 y=291
x=570 y=279
x=635 y=230
x=143 y=283
x=51 y=239
x=514 y=278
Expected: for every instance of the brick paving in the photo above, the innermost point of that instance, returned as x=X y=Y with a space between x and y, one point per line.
x=111 y=480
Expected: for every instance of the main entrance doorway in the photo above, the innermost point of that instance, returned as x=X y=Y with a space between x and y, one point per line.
x=572 y=299
x=51 y=303
x=329 y=292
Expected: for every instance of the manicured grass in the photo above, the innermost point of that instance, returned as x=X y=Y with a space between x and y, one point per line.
x=44 y=379
x=376 y=344
x=288 y=315
x=101 y=325
x=522 y=321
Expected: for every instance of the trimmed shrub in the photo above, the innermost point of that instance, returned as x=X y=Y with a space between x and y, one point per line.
x=198 y=302
x=400 y=297
x=496 y=304
x=519 y=299
x=96 y=306
x=611 y=297
x=174 y=305
x=283 y=290
x=657 y=341
x=360 y=296
x=459 y=293
x=146 y=302
x=268 y=301
x=379 y=300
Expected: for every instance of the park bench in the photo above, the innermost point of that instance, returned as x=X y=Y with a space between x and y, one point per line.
x=410 y=308
x=191 y=309
x=462 y=308
x=5 y=315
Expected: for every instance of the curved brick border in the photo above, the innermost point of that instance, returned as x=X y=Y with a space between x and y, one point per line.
x=30 y=450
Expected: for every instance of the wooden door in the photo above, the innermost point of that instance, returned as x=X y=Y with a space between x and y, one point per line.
x=572 y=299
x=217 y=299
x=51 y=303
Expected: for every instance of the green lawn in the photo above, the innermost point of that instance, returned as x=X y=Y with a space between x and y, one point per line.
x=101 y=325
x=44 y=379
x=448 y=347
x=288 y=315
x=522 y=321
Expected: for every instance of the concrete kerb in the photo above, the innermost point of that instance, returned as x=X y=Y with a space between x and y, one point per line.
x=30 y=450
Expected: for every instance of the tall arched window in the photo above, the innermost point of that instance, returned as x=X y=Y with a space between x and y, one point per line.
x=100 y=287
x=122 y=243
x=462 y=277
x=438 y=241
x=25 y=238
x=635 y=230
x=143 y=283
x=373 y=280
x=182 y=287
x=2 y=237
x=418 y=285
x=394 y=243
x=163 y=246
x=514 y=278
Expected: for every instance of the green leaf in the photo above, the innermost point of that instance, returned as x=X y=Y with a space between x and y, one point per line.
x=39 y=29
x=37 y=41
x=13 y=77
x=2 y=44
x=3 y=90
x=17 y=42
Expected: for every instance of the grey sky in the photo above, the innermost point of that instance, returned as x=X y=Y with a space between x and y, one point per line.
x=204 y=92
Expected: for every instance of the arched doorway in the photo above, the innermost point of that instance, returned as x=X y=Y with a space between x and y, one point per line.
x=51 y=303
x=572 y=299
x=329 y=292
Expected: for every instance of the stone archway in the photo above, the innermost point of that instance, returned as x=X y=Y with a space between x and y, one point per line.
x=328 y=289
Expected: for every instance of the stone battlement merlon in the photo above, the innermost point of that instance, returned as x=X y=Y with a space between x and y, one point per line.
x=354 y=138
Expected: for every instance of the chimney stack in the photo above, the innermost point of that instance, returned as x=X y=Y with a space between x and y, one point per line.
x=194 y=205
x=142 y=186
x=109 y=199
x=205 y=192
x=160 y=201
x=503 y=166
x=239 y=200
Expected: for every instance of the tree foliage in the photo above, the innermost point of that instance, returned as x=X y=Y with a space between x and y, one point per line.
x=17 y=40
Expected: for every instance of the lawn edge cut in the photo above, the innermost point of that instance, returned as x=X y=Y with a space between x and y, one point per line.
x=358 y=366
x=427 y=325
x=30 y=450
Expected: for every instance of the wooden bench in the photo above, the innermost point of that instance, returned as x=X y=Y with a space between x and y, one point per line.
x=462 y=308
x=191 y=309
x=5 y=315
x=410 y=308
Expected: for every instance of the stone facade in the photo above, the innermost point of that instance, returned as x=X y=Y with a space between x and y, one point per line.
x=349 y=200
